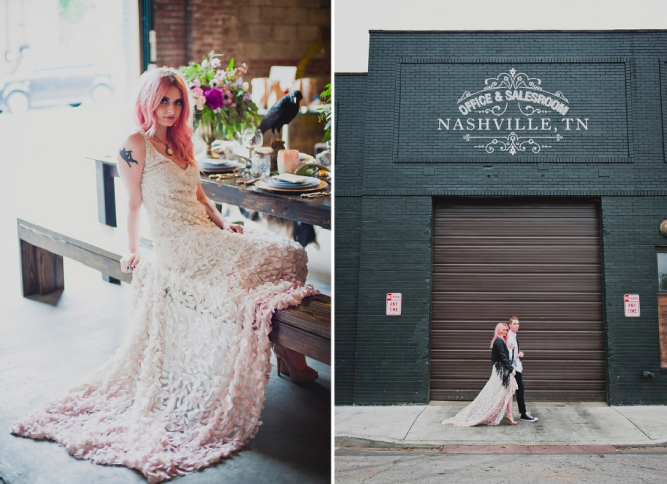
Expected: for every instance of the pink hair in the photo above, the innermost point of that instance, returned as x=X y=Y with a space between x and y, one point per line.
x=154 y=85
x=498 y=333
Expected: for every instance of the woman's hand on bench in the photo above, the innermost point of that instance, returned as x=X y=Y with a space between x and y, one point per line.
x=129 y=262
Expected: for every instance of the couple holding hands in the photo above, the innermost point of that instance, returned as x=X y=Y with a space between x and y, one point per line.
x=506 y=379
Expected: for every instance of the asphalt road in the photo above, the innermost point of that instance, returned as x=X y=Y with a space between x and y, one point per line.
x=354 y=466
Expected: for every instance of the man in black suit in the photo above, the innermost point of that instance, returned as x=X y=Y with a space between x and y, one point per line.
x=515 y=357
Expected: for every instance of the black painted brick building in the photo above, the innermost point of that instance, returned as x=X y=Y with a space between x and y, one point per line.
x=394 y=158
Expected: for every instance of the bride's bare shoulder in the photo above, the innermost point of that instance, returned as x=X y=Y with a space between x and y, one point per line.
x=134 y=139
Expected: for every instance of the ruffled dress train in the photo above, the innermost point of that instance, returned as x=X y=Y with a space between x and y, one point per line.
x=489 y=407
x=187 y=386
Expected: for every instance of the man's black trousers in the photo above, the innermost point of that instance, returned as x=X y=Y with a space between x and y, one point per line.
x=519 y=394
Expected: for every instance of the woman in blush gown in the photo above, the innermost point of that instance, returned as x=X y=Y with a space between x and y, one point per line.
x=488 y=408
x=187 y=386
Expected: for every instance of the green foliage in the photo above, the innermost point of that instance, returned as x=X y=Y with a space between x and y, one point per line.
x=325 y=112
x=237 y=112
x=71 y=13
x=73 y=10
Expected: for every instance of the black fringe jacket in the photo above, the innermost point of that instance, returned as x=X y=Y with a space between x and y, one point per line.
x=501 y=361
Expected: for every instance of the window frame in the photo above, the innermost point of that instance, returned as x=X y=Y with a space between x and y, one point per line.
x=659 y=250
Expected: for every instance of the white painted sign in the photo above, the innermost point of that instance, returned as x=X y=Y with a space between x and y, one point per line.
x=631 y=303
x=528 y=98
x=394 y=304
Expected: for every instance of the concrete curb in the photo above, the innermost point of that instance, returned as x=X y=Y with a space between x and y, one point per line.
x=357 y=442
x=350 y=442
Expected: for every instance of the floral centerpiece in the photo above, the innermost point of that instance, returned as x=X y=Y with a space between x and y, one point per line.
x=223 y=107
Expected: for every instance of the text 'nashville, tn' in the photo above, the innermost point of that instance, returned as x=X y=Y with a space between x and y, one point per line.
x=511 y=124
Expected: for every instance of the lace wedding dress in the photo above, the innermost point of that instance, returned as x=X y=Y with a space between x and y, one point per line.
x=489 y=407
x=186 y=388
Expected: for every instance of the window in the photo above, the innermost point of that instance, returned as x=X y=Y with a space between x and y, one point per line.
x=662 y=269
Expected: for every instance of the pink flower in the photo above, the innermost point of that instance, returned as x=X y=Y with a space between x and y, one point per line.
x=197 y=92
x=228 y=97
x=196 y=83
x=200 y=102
x=220 y=75
x=215 y=63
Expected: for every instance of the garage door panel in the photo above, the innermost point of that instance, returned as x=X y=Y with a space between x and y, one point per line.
x=515 y=227
x=513 y=208
x=514 y=296
x=490 y=240
x=571 y=395
x=512 y=269
x=562 y=385
x=516 y=255
x=500 y=311
x=538 y=259
x=542 y=355
x=541 y=327
x=542 y=283
x=535 y=369
x=529 y=340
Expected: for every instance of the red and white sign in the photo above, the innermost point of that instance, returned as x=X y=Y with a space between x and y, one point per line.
x=631 y=303
x=394 y=304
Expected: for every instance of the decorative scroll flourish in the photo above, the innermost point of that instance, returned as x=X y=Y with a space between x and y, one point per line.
x=530 y=110
x=495 y=110
x=512 y=80
x=513 y=143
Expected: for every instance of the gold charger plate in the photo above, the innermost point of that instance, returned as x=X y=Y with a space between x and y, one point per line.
x=264 y=186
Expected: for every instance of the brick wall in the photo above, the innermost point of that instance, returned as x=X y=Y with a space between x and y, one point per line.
x=170 y=20
x=630 y=235
x=261 y=33
x=394 y=188
x=348 y=133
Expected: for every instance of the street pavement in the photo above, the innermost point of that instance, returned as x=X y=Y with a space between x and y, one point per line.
x=354 y=466
x=416 y=426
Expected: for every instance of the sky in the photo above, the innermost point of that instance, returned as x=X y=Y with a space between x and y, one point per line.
x=354 y=18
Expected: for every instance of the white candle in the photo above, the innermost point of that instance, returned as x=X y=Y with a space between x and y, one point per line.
x=288 y=161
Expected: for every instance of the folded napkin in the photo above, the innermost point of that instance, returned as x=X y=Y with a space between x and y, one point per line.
x=289 y=178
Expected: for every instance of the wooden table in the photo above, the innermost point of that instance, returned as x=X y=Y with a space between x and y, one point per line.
x=315 y=212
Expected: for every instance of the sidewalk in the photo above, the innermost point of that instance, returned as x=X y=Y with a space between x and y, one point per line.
x=559 y=424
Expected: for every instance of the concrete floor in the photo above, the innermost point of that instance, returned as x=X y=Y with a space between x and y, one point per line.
x=46 y=346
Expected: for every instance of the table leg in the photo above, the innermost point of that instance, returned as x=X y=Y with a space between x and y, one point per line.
x=106 y=196
x=106 y=202
x=41 y=271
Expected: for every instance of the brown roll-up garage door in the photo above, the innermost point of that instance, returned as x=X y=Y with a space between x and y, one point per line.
x=538 y=260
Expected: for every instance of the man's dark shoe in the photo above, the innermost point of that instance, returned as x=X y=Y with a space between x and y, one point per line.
x=527 y=417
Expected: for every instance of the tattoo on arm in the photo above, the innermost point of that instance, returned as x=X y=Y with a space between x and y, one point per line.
x=127 y=156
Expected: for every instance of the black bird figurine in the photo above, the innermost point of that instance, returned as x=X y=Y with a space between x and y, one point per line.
x=281 y=113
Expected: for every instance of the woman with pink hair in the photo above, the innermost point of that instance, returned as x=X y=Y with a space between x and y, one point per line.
x=186 y=388
x=488 y=408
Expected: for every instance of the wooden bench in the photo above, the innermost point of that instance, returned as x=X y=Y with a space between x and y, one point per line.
x=306 y=328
